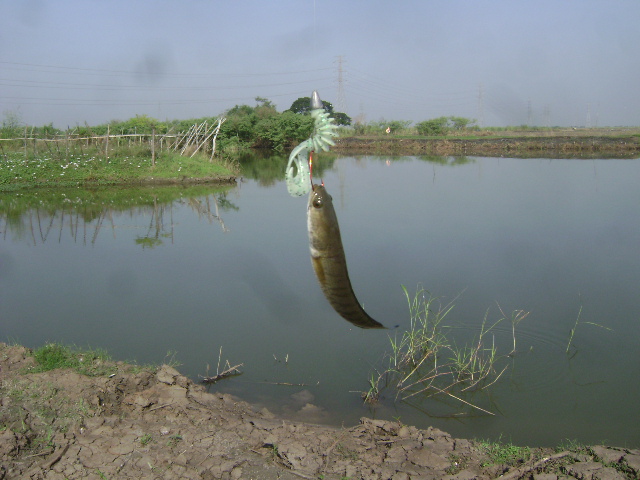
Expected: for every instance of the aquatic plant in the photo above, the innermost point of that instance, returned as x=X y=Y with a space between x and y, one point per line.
x=425 y=360
x=575 y=326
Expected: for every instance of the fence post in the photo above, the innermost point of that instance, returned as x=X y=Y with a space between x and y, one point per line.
x=153 y=147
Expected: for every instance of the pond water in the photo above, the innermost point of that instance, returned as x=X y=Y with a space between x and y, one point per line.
x=177 y=274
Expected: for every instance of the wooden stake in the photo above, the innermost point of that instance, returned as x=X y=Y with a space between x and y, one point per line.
x=153 y=147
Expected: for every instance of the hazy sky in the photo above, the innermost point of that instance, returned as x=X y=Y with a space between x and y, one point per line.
x=503 y=62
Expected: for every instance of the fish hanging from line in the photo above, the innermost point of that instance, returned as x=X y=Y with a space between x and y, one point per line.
x=329 y=261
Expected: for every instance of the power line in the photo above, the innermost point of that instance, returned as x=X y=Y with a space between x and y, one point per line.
x=103 y=71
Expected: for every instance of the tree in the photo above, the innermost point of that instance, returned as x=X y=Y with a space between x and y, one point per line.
x=442 y=125
x=342 y=118
x=11 y=124
x=264 y=102
x=240 y=110
x=396 y=126
x=265 y=108
x=436 y=126
x=282 y=130
x=303 y=105
x=460 y=123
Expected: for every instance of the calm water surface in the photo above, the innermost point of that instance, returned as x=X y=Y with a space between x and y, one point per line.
x=183 y=272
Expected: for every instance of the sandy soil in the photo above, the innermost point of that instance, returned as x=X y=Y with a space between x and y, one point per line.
x=140 y=424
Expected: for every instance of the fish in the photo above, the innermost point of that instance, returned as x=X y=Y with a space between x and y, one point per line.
x=329 y=261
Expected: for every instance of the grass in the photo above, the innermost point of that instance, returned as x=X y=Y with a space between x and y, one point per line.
x=50 y=411
x=575 y=326
x=174 y=440
x=499 y=453
x=425 y=361
x=91 y=167
x=86 y=362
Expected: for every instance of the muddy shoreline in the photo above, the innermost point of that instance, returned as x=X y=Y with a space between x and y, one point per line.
x=552 y=146
x=143 y=423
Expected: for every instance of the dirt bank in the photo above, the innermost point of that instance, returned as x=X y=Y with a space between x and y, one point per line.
x=135 y=423
x=552 y=146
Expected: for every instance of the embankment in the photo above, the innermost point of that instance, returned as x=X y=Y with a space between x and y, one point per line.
x=518 y=147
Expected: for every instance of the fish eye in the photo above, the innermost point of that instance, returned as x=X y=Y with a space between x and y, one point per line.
x=317 y=202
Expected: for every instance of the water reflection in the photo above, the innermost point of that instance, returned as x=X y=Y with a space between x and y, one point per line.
x=83 y=215
x=233 y=270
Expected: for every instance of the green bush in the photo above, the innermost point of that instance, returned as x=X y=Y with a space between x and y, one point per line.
x=436 y=126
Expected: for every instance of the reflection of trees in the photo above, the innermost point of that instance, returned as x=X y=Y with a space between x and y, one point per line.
x=269 y=169
x=451 y=161
x=437 y=159
x=203 y=208
x=38 y=225
x=156 y=231
x=36 y=220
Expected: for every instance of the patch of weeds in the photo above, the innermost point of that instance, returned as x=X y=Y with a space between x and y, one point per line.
x=372 y=395
x=135 y=369
x=86 y=362
x=458 y=464
x=346 y=453
x=425 y=360
x=146 y=439
x=622 y=467
x=50 y=411
x=499 y=453
x=174 y=440
x=45 y=440
x=101 y=475
x=575 y=326
x=170 y=359
x=273 y=452
x=572 y=446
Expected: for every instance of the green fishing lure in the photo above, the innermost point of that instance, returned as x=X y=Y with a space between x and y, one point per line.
x=299 y=169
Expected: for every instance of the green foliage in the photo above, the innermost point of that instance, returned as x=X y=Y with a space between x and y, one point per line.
x=342 y=118
x=240 y=124
x=278 y=132
x=443 y=125
x=303 y=106
x=425 y=360
x=88 y=166
x=460 y=123
x=436 y=126
x=498 y=453
x=11 y=124
x=395 y=127
x=87 y=362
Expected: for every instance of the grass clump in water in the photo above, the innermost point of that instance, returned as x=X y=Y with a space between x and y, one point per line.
x=86 y=362
x=424 y=360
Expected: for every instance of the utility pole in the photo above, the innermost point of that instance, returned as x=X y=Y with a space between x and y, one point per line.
x=341 y=100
